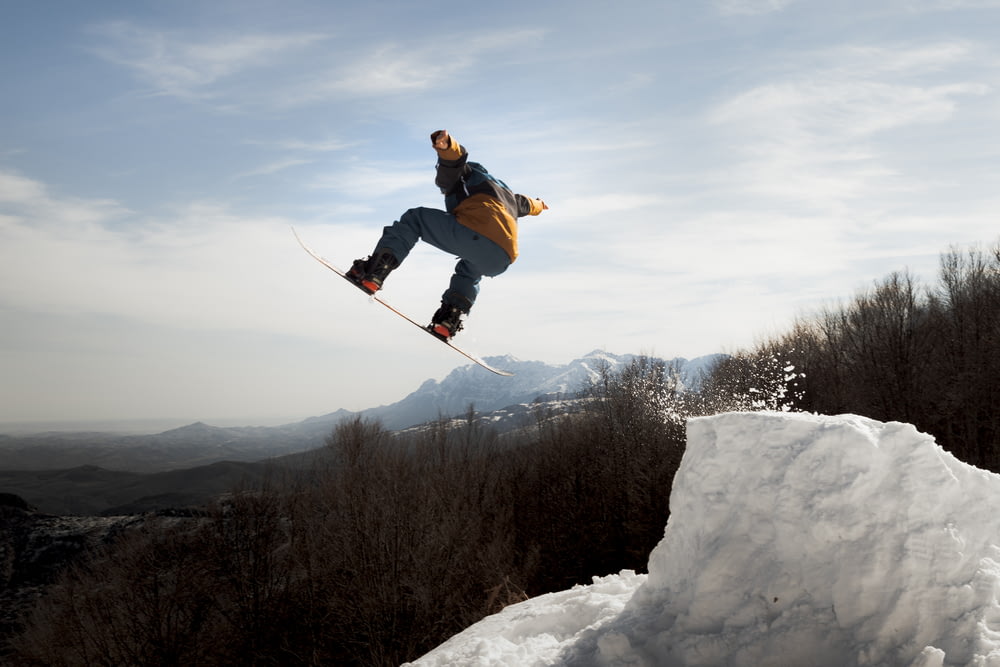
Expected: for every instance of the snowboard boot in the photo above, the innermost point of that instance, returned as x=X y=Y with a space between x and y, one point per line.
x=447 y=321
x=370 y=273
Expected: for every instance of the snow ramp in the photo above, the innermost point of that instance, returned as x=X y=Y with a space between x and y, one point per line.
x=794 y=540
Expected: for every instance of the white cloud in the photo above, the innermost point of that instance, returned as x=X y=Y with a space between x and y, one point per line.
x=274 y=167
x=180 y=66
x=203 y=268
x=208 y=68
x=30 y=203
x=374 y=180
x=842 y=108
x=752 y=6
x=388 y=70
x=819 y=136
x=298 y=152
x=301 y=145
x=16 y=189
x=949 y=5
x=404 y=67
x=598 y=207
x=201 y=313
x=902 y=60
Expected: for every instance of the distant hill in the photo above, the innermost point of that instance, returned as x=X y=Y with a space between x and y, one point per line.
x=106 y=474
x=201 y=444
x=89 y=490
x=185 y=447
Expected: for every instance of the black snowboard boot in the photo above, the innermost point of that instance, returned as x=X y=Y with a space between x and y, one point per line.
x=370 y=273
x=447 y=321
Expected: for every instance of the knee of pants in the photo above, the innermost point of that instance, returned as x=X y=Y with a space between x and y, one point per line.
x=402 y=235
x=490 y=265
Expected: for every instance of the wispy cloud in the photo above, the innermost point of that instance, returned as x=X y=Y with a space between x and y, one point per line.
x=190 y=267
x=274 y=167
x=209 y=68
x=25 y=200
x=297 y=152
x=752 y=6
x=949 y=5
x=365 y=182
x=16 y=189
x=318 y=146
x=405 y=67
x=816 y=134
x=905 y=59
x=596 y=207
x=851 y=94
x=170 y=63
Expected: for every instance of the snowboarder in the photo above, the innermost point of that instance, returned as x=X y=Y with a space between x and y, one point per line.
x=479 y=225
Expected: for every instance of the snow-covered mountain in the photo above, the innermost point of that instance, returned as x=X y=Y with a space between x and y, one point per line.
x=471 y=385
x=202 y=444
x=793 y=539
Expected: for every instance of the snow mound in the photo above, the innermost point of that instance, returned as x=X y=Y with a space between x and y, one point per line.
x=793 y=540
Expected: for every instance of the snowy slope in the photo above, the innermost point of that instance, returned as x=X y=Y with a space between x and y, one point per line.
x=794 y=540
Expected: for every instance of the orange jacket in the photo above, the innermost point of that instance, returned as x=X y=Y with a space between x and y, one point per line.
x=480 y=201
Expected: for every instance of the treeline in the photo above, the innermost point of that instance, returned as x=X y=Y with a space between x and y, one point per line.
x=388 y=546
x=902 y=351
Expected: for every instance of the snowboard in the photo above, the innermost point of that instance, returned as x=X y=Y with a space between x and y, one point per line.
x=377 y=298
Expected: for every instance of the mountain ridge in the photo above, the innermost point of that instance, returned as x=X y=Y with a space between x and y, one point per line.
x=200 y=444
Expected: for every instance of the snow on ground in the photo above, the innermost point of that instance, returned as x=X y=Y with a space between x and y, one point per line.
x=794 y=540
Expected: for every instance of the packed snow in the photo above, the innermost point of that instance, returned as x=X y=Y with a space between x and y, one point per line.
x=793 y=540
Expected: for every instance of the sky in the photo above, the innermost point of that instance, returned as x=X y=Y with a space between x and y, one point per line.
x=713 y=170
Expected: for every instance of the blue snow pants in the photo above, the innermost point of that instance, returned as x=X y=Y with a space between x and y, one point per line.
x=478 y=256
